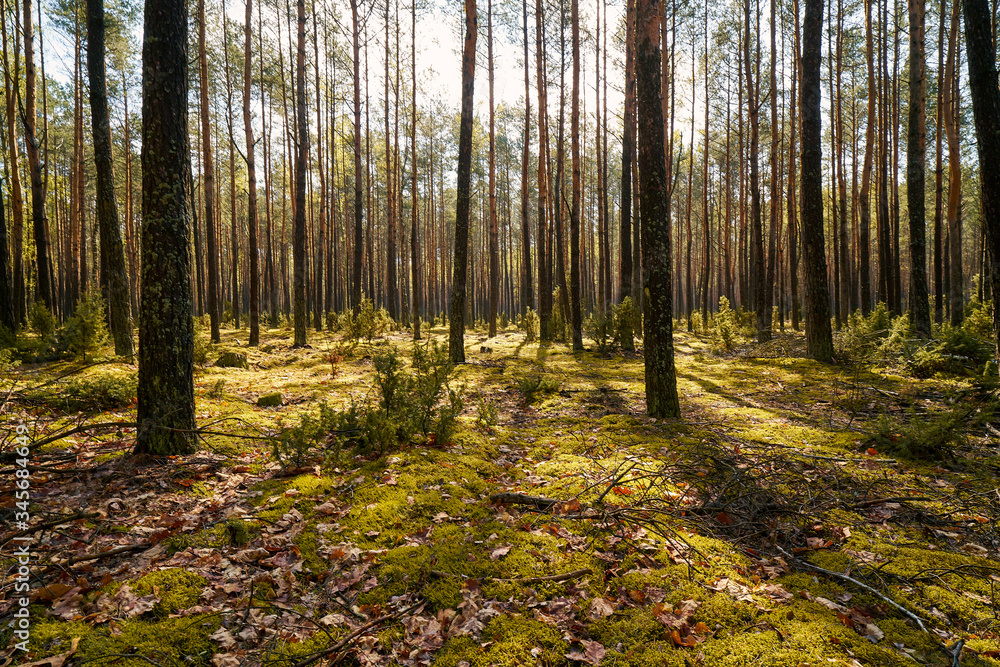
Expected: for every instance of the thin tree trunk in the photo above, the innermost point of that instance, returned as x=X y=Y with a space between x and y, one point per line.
x=949 y=104
x=107 y=203
x=456 y=313
x=358 y=198
x=209 y=180
x=916 y=150
x=43 y=285
x=301 y=155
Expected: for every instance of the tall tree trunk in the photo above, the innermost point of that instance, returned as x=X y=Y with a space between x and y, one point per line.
x=390 y=209
x=456 y=313
x=209 y=179
x=43 y=283
x=949 y=104
x=356 y=277
x=654 y=203
x=916 y=152
x=986 y=111
x=107 y=203
x=576 y=307
x=939 y=171
x=319 y=302
x=418 y=286
x=8 y=317
x=301 y=155
x=13 y=172
x=819 y=335
x=527 y=293
x=628 y=135
x=544 y=261
x=251 y=181
x=758 y=269
x=166 y=332
x=494 y=229
x=793 y=209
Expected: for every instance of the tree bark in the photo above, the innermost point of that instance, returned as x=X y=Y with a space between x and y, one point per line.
x=456 y=313
x=916 y=150
x=576 y=307
x=949 y=103
x=628 y=136
x=209 y=180
x=301 y=155
x=819 y=335
x=654 y=203
x=165 y=416
x=356 y=277
x=494 y=230
x=43 y=285
x=986 y=111
x=107 y=203
x=251 y=182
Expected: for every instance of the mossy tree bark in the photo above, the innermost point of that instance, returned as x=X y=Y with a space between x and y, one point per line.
x=166 y=330
x=576 y=307
x=16 y=198
x=819 y=335
x=916 y=153
x=416 y=291
x=301 y=155
x=628 y=150
x=112 y=250
x=8 y=317
x=494 y=277
x=358 y=199
x=986 y=111
x=43 y=285
x=541 y=238
x=654 y=205
x=456 y=314
x=527 y=294
x=208 y=167
x=251 y=182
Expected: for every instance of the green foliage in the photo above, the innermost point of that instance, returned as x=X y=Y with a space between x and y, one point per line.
x=504 y=321
x=407 y=402
x=697 y=321
x=600 y=327
x=369 y=322
x=627 y=319
x=532 y=385
x=529 y=324
x=85 y=331
x=41 y=320
x=921 y=438
x=107 y=391
x=978 y=319
x=725 y=326
x=202 y=350
x=954 y=351
x=557 y=324
x=487 y=413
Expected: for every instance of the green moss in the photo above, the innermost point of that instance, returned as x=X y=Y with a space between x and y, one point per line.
x=178 y=589
x=168 y=641
x=507 y=641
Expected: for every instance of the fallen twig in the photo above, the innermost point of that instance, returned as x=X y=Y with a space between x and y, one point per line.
x=49 y=524
x=865 y=587
x=336 y=648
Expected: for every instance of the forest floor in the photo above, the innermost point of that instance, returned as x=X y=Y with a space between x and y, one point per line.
x=782 y=521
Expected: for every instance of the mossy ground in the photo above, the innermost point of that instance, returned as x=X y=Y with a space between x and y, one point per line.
x=235 y=536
